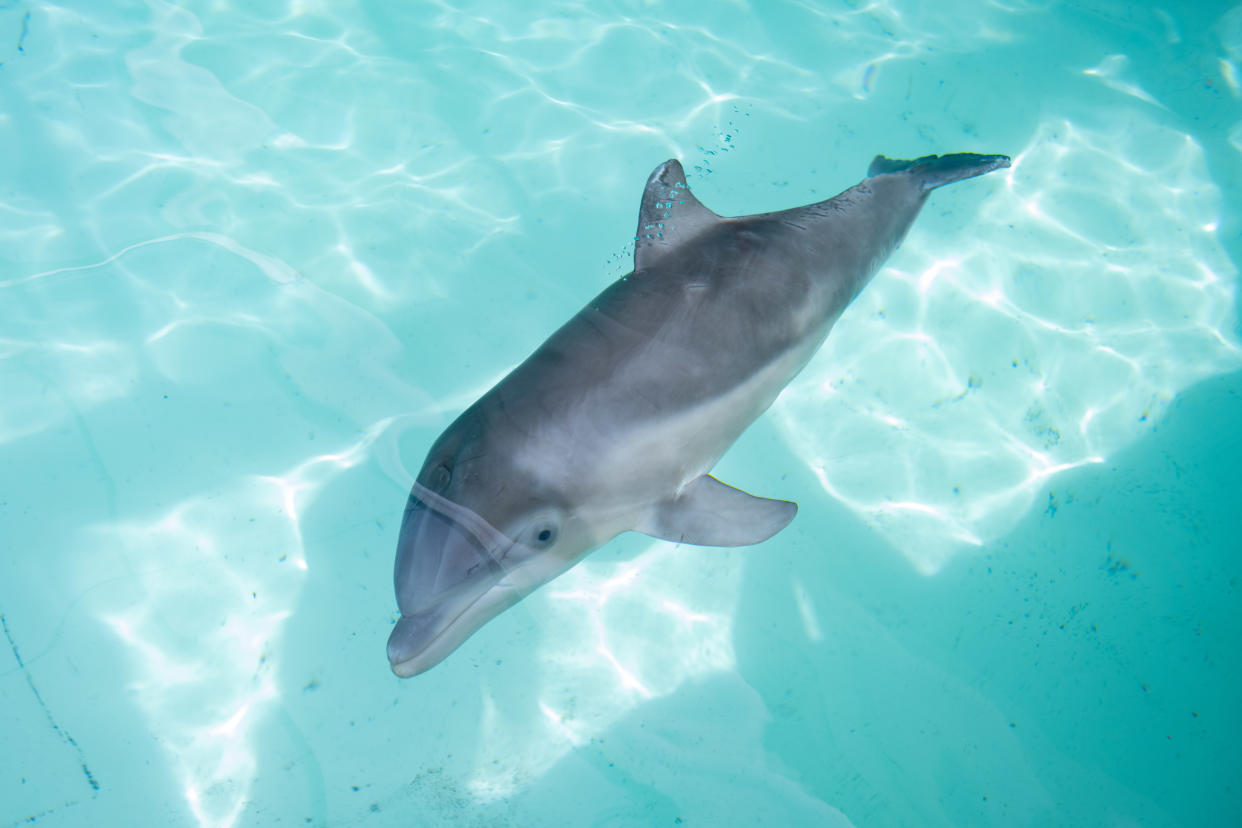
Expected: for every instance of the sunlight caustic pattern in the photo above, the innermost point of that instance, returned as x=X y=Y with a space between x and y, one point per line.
x=216 y=578
x=198 y=595
x=1045 y=333
x=606 y=616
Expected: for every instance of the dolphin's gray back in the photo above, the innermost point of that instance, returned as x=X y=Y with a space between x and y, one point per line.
x=715 y=302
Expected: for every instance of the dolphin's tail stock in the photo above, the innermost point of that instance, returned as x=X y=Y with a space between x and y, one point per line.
x=937 y=170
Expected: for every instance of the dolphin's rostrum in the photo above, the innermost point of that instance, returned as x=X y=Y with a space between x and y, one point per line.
x=615 y=421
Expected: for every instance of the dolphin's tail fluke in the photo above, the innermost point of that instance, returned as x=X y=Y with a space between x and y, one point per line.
x=937 y=170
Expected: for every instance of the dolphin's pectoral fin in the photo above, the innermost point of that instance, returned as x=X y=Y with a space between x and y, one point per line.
x=669 y=215
x=709 y=513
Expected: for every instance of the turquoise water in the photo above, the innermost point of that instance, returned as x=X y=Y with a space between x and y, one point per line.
x=255 y=257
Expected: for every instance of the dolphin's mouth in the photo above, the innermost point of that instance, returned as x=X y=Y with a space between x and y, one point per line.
x=448 y=560
x=420 y=641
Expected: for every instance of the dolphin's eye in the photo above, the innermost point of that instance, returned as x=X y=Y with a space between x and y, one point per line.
x=542 y=534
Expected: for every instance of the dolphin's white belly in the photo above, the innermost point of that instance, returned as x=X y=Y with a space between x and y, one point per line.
x=618 y=472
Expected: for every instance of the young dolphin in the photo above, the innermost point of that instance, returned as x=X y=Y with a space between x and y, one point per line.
x=615 y=421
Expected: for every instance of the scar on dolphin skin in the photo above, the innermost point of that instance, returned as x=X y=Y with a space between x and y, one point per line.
x=615 y=422
x=56 y=728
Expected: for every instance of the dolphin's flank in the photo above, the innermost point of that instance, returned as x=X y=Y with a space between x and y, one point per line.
x=614 y=423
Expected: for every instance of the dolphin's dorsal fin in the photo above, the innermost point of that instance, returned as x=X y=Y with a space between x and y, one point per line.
x=669 y=215
x=709 y=513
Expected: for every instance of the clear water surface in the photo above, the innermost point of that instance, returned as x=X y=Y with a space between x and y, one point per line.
x=255 y=256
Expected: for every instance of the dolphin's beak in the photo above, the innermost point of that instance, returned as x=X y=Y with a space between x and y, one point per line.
x=447 y=560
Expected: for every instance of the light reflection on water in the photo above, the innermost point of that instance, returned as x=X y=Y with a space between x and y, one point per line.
x=213 y=583
x=1046 y=333
x=253 y=250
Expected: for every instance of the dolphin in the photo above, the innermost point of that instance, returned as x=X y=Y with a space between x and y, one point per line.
x=614 y=423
